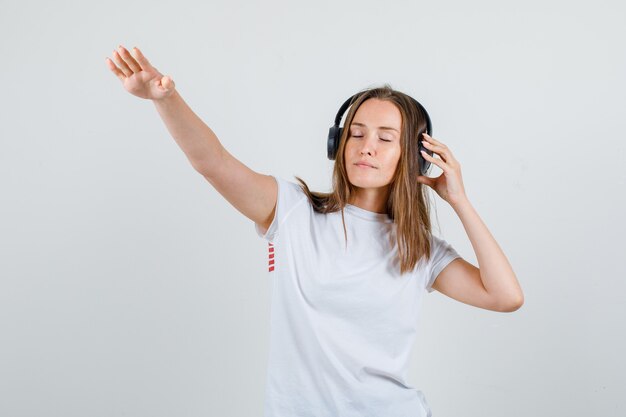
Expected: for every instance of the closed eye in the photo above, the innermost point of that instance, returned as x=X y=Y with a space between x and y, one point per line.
x=360 y=136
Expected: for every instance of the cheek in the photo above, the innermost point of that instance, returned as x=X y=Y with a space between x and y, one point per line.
x=348 y=149
x=394 y=157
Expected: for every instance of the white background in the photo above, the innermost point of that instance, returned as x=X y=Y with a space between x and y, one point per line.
x=130 y=287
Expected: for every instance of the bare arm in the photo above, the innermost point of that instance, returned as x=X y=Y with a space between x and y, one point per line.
x=253 y=194
x=493 y=285
x=201 y=146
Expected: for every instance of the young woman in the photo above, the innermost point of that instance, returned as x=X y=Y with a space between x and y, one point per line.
x=350 y=266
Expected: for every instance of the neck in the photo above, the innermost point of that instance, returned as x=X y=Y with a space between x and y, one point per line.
x=371 y=199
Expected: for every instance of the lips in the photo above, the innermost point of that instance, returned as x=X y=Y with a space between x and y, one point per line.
x=364 y=164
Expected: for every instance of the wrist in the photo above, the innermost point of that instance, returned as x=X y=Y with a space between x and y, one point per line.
x=460 y=203
x=171 y=98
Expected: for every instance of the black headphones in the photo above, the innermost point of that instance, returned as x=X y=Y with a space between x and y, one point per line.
x=334 y=134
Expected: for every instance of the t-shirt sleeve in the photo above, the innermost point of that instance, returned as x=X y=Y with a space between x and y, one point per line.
x=442 y=253
x=289 y=196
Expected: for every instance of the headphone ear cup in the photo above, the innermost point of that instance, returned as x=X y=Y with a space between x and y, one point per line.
x=333 y=142
x=424 y=164
x=338 y=139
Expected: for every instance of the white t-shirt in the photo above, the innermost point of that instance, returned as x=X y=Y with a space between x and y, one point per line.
x=343 y=320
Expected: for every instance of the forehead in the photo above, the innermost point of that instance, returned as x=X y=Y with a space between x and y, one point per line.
x=374 y=113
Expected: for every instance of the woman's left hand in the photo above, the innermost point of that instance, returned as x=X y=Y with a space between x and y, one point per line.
x=449 y=185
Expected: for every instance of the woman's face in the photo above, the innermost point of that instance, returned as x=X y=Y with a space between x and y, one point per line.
x=374 y=139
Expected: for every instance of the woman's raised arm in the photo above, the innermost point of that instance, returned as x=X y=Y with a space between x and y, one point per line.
x=251 y=193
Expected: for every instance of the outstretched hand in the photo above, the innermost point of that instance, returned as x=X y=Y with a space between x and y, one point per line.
x=138 y=76
x=449 y=185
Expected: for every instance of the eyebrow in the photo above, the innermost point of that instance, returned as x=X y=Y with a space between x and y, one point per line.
x=380 y=127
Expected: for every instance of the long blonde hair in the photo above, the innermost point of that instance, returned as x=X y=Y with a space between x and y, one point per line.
x=407 y=205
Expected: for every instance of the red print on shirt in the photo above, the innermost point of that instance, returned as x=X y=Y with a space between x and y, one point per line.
x=271 y=256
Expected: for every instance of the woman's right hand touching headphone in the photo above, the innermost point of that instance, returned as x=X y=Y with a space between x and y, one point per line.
x=138 y=76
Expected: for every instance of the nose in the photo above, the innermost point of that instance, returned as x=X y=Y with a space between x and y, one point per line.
x=367 y=147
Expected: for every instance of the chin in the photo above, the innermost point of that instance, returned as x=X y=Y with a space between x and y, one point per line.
x=367 y=182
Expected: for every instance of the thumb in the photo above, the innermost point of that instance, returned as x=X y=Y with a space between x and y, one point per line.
x=425 y=180
x=167 y=83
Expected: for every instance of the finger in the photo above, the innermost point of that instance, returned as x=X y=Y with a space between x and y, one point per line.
x=443 y=152
x=115 y=69
x=427 y=137
x=141 y=59
x=132 y=64
x=426 y=180
x=432 y=140
x=436 y=149
x=440 y=149
x=439 y=162
x=120 y=63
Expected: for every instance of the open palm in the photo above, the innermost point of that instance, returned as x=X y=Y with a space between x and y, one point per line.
x=138 y=76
